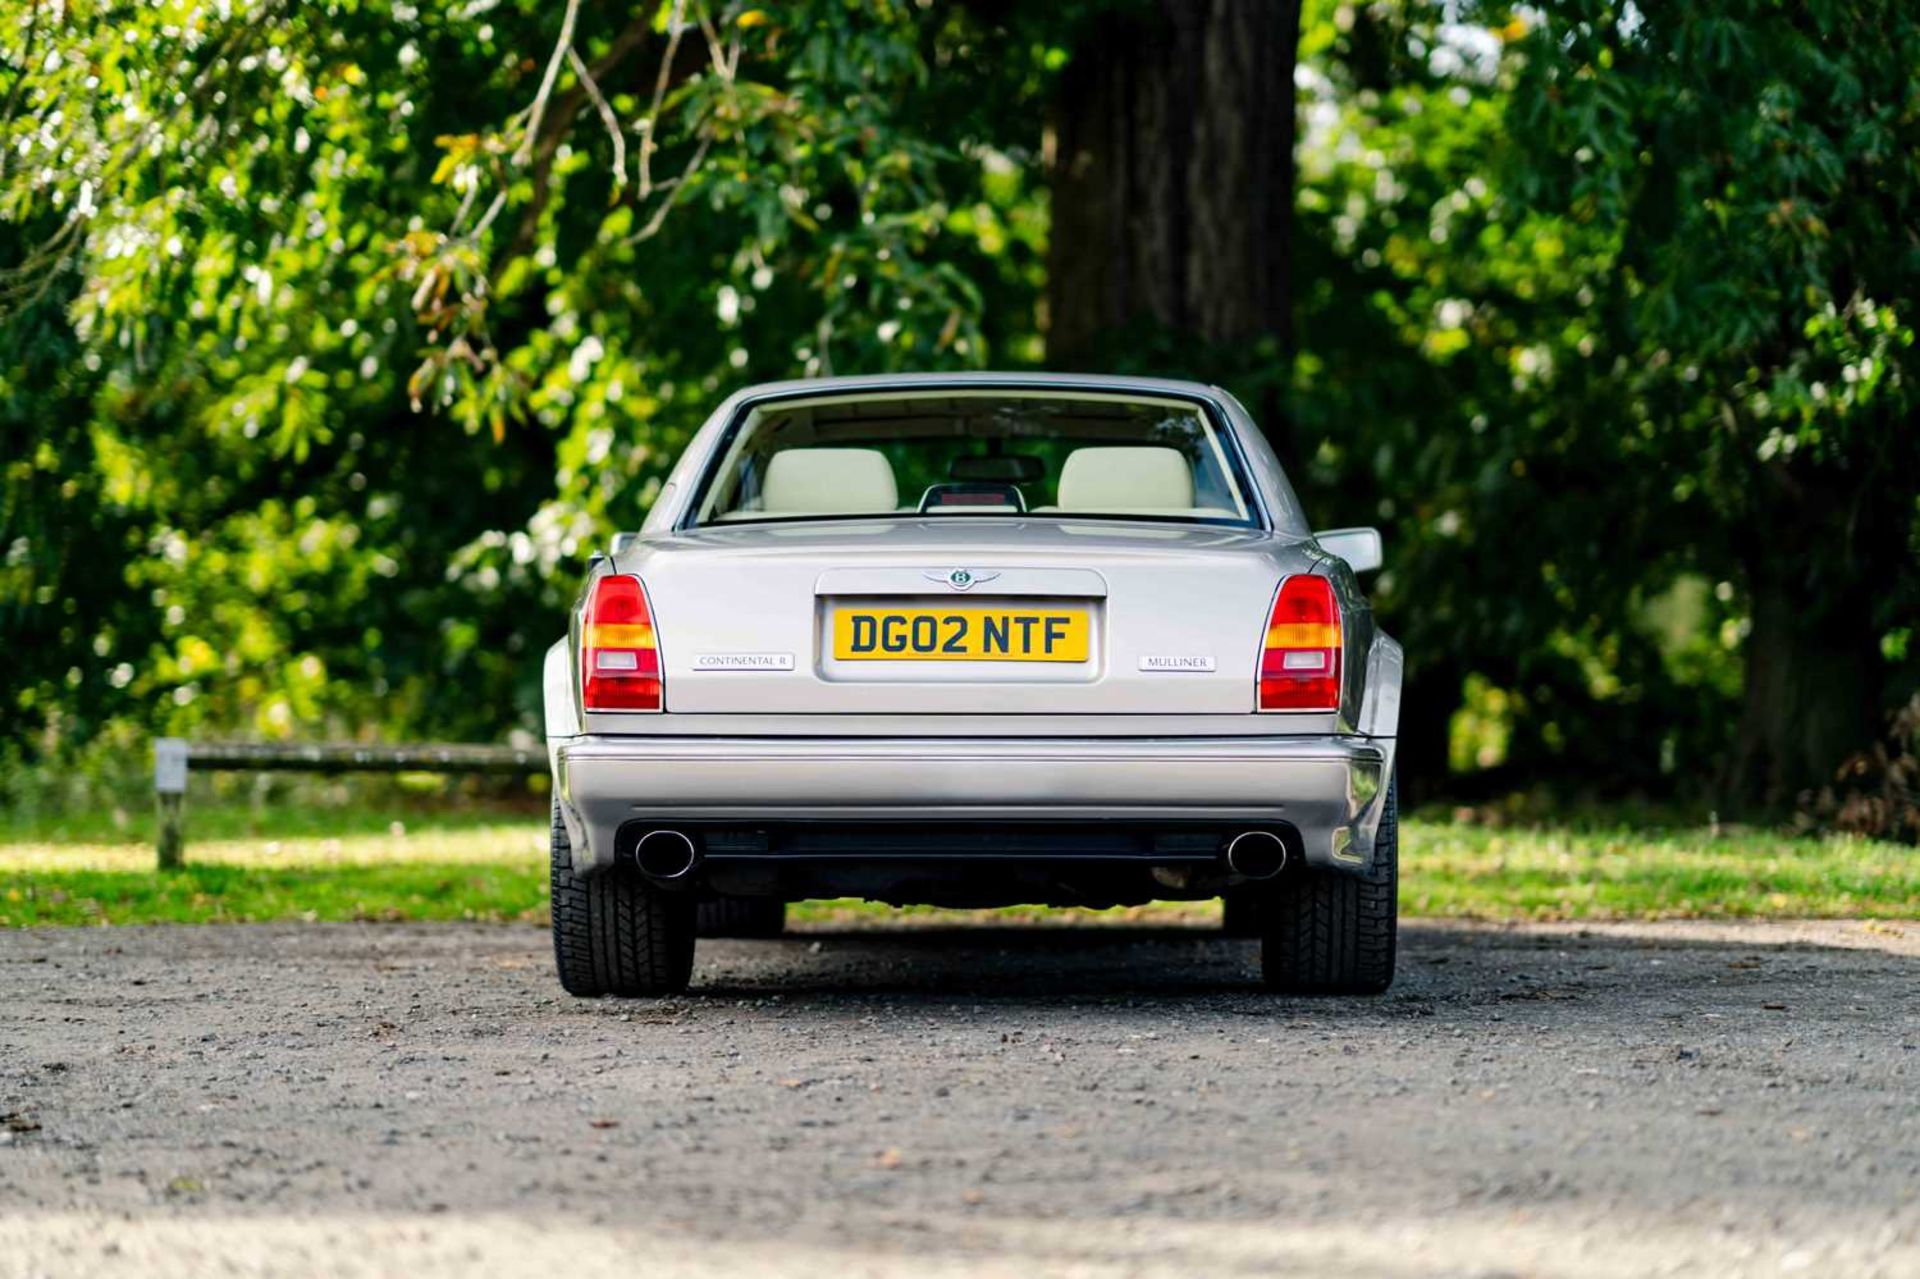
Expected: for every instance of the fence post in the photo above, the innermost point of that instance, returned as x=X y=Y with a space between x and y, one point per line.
x=170 y=798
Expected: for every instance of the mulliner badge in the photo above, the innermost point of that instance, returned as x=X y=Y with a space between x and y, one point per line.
x=1176 y=663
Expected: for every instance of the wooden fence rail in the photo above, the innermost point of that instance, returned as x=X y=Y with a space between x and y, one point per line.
x=173 y=757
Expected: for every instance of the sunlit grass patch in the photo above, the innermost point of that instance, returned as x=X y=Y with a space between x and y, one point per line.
x=1546 y=872
x=216 y=893
x=394 y=843
x=445 y=870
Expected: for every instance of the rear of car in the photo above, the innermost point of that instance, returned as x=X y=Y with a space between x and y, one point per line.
x=974 y=641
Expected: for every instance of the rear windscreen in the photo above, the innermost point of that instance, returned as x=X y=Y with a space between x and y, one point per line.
x=970 y=455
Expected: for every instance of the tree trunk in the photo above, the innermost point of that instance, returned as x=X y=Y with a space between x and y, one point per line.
x=1171 y=152
x=1815 y=676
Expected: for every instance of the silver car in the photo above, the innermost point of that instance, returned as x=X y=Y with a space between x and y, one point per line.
x=974 y=640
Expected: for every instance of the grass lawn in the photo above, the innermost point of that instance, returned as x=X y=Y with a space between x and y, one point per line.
x=347 y=863
x=446 y=867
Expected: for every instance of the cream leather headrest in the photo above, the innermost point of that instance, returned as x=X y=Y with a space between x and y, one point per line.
x=829 y=482
x=1145 y=478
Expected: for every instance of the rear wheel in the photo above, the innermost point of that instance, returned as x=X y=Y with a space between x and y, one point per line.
x=614 y=933
x=742 y=917
x=1330 y=933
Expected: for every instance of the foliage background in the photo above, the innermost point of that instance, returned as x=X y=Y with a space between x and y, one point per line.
x=336 y=335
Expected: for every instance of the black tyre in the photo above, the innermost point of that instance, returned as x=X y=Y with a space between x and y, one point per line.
x=742 y=917
x=1240 y=912
x=614 y=933
x=1328 y=933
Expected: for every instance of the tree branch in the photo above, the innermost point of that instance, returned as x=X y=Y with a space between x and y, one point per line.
x=565 y=107
x=19 y=85
x=538 y=110
x=45 y=258
x=607 y=117
x=676 y=26
x=673 y=189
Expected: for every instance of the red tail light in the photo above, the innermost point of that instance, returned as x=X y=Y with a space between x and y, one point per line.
x=1300 y=664
x=619 y=664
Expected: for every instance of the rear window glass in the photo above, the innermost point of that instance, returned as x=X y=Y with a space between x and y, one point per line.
x=965 y=456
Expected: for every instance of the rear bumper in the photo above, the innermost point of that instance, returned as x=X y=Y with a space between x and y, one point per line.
x=1331 y=789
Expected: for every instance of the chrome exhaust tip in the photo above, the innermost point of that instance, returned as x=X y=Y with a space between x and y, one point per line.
x=666 y=855
x=1256 y=854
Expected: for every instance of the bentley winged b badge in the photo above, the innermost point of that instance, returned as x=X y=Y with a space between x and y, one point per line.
x=961 y=579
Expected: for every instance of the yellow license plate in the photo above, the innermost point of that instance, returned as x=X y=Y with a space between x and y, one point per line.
x=960 y=634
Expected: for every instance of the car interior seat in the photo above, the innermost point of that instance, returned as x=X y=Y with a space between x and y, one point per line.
x=1136 y=479
x=829 y=482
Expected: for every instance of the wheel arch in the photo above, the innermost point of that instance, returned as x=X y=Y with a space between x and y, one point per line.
x=1380 y=709
x=556 y=682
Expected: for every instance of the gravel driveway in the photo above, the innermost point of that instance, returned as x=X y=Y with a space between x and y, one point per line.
x=422 y=1100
